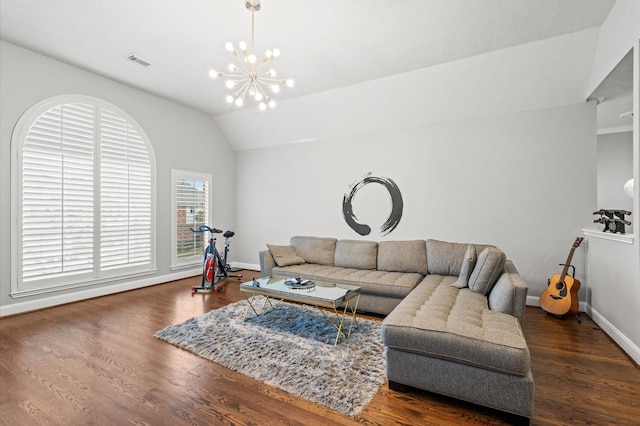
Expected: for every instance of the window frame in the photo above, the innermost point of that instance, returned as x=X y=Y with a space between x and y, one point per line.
x=195 y=260
x=19 y=288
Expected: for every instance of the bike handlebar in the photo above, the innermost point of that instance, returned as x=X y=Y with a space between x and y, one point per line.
x=204 y=228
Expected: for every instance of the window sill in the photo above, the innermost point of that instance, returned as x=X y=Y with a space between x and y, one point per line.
x=80 y=284
x=620 y=238
x=183 y=266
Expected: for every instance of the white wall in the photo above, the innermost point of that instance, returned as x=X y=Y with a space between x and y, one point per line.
x=613 y=284
x=613 y=291
x=181 y=137
x=525 y=182
x=615 y=167
x=543 y=74
x=618 y=34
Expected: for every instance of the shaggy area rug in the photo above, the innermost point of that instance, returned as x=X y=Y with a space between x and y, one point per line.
x=290 y=348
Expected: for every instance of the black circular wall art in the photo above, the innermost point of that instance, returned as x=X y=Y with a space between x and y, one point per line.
x=396 y=204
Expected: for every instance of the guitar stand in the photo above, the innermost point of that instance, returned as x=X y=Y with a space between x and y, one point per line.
x=573 y=269
x=576 y=317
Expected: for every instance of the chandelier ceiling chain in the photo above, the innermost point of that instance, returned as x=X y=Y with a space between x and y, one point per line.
x=248 y=77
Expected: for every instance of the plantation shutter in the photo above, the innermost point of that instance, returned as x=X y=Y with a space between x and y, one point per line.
x=125 y=194
x=192 y=201
x=57 y=193
x=83 y=182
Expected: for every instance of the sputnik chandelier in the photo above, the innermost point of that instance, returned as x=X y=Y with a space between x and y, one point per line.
x=248 y=76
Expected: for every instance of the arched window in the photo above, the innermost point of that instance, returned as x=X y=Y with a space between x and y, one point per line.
x=83 y=196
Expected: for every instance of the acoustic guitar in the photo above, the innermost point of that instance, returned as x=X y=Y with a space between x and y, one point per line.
x=560 y=298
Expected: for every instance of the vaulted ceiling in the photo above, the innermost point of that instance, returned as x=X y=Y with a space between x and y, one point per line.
x=325 y=45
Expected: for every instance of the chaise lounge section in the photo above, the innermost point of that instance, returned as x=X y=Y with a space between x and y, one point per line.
x=454 y=312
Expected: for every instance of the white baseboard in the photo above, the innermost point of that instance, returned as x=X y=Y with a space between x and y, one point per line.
x=61 y=299
x=535 y=301
x=627 y=345
x=249 y=266
x=623 y=341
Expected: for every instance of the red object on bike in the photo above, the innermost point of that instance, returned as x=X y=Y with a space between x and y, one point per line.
x=212 y=268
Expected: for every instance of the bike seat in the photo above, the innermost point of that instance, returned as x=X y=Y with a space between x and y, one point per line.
x=228 y=234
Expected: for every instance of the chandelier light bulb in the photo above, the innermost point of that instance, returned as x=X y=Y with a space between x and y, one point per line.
x=247 y=76
x=628 y=187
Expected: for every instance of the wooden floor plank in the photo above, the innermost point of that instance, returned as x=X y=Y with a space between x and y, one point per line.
x=97 y=362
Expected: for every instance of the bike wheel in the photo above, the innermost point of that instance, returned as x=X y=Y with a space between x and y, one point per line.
x=211 y=269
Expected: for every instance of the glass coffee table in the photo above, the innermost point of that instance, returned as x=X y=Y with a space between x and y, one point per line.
x=341 y=300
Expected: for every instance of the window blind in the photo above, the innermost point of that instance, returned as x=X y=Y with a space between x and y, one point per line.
x=57 y=193
x=85 y=181
x=125 y=194
x=192 y=210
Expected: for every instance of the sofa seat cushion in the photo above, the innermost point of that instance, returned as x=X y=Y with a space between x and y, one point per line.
x=441 y=321
x=381 y=283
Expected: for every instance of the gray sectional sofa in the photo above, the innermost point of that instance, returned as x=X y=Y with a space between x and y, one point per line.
x=454 y=312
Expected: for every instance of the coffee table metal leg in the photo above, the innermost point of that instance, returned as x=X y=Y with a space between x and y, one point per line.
x=341 y=318
x=349 y=308
x=354 y=318
x=249 y=306
x=264 y=309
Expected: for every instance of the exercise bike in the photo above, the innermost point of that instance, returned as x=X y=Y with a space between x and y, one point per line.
x=214 y=267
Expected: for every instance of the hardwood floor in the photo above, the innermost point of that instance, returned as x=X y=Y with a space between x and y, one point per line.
x=97 y=362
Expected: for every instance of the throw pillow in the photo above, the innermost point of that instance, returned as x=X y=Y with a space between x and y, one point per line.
x=468 y=263
x=488 y=269
x=285 y=255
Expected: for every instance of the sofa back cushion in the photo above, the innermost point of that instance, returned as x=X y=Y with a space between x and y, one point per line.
x=403 y=256
x=445 y=258
x=356 y=254
x=489 y=267
x=317 y=250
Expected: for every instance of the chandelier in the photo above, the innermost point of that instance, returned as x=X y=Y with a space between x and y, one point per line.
x=248 y=78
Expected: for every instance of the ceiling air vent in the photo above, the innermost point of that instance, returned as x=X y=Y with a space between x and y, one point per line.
x=138 y=60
